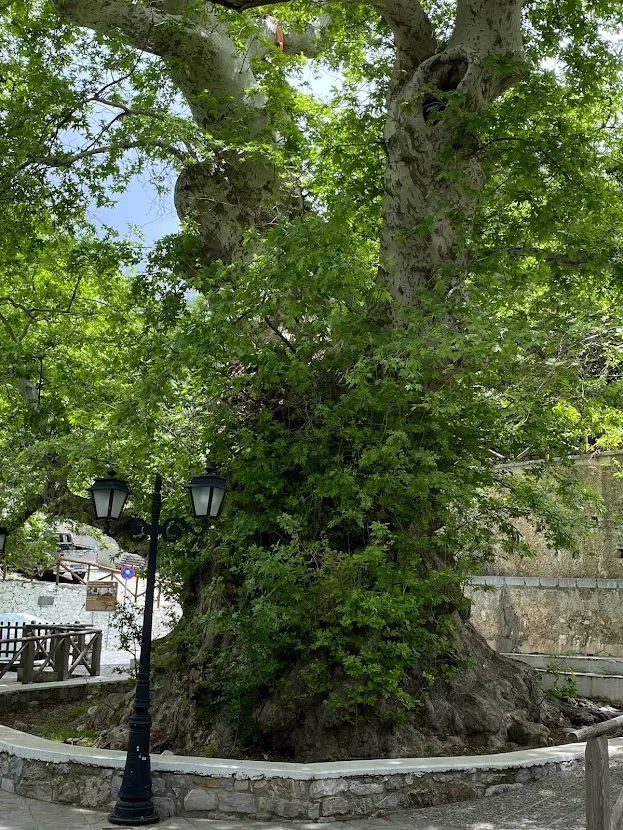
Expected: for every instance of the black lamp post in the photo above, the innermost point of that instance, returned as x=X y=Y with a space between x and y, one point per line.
x=3 y=534
x=135 y=805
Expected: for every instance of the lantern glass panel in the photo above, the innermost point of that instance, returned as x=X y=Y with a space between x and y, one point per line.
x=101 y=500
x=201 y=497
x=109 y=496
x=118 y=503
x=3 y=535
x=217 y=501
x=206 y=495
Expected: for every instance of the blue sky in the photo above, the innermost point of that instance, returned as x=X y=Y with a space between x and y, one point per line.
x=140 y=206
x=154 y=215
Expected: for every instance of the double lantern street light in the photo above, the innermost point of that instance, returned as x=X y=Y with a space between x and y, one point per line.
x=135 y=804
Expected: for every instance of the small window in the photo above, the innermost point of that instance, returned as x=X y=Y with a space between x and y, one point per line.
x=619 y=553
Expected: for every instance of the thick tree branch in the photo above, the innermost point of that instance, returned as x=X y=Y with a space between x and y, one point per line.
x=200 y=55
x=489 y=28
x=26 y=388
x=413 y=31
x=231 y=193
x=430 y=201
x=296 y=43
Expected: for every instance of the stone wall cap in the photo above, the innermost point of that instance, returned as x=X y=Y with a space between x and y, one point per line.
x=100 y=680
x=23 y=745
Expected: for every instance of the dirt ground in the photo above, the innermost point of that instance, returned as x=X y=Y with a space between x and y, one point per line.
x=72 y=722
x=56 y=721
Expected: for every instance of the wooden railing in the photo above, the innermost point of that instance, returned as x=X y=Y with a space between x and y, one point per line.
x=56 y=650
x=599 y=814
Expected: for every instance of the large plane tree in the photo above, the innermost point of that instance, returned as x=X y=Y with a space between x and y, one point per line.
x=376 y=294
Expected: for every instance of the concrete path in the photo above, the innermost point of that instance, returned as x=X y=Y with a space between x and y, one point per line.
x=554 y=803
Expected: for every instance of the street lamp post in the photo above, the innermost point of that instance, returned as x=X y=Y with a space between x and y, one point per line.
x=135 y=805
x=3 y=537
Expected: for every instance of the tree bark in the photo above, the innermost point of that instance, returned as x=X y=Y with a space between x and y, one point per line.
x=231 y=193
x=433 y=179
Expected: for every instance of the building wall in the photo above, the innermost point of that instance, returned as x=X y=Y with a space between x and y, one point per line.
x=22 y=596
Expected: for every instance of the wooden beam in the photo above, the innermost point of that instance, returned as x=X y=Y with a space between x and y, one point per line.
x=596 y=730
x=597 y=785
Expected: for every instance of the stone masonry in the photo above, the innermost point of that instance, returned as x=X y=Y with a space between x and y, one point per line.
x=326 y=799
x=223 y=788
x=544 y=615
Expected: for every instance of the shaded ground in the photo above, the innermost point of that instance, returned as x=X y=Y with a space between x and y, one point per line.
x=56 y=721
x=88 y=722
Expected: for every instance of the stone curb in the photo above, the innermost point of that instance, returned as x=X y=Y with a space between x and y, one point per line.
x=101 y=680
x=23 y=745
x=11 y=694
x=545 y=582
x=259 y=790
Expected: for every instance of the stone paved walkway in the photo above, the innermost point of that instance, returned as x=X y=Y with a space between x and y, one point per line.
x=554 y=803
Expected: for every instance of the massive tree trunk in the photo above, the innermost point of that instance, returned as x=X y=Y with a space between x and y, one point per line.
x=433 y=178
x=433 y=181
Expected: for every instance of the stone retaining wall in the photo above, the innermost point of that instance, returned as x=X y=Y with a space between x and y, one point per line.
x=218 y=788
x=13 y=695
x=549 y=615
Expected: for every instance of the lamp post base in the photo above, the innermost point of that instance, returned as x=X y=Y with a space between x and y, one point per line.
x=133 y=813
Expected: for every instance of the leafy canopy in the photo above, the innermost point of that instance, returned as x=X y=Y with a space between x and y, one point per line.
x=360 y=453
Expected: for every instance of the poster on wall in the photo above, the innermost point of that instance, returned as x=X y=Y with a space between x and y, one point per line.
x=101 y=596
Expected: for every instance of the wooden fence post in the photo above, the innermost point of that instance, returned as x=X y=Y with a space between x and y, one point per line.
x=27 y=661
x=96 y=654
x=62 y=650
x=597 y=784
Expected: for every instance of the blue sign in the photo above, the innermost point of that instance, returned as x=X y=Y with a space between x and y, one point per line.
x=127 y=572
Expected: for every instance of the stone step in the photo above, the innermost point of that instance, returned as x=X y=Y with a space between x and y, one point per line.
x=572 y=662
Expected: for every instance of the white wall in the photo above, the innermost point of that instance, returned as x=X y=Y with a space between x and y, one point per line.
x=22 y=595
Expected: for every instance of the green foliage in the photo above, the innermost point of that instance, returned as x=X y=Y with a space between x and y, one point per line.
x=360 y=452
x=32 y=547
x=61 y=726
x=565 y=686
x=126 y=620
